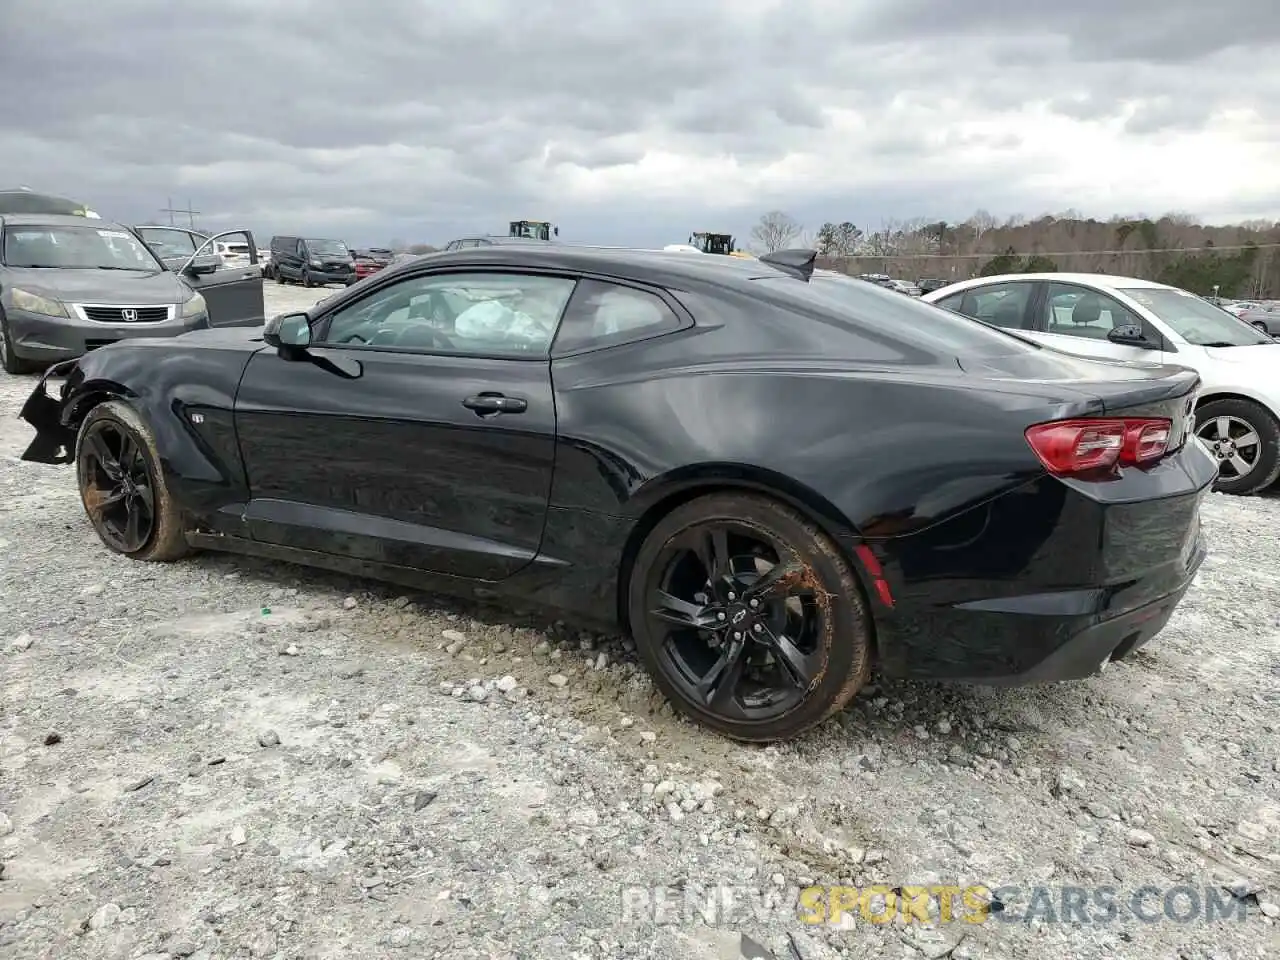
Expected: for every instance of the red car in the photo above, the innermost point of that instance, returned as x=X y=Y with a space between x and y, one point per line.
x=371 y=261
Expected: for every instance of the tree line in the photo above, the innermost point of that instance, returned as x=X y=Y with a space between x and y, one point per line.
x=1239 y=260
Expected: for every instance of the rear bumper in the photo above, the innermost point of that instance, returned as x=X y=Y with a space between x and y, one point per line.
x=1074 y=648
x=1046 y=583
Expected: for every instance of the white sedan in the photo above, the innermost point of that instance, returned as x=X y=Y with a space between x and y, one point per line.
x=1122 y=318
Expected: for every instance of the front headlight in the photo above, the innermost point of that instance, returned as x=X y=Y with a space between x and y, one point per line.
x=315 y=263
x=34 y=303
x=195 y=306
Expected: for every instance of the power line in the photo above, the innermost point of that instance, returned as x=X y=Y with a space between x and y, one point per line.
x=1038 y=253
x=191 y=214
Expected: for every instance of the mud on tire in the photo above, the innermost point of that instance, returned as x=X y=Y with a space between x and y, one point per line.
x=165 y=540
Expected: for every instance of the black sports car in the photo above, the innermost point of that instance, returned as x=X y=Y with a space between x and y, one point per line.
x=771 y=478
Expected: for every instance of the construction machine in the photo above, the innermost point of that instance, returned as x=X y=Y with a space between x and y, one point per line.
x=718 y=243
x=532 y=229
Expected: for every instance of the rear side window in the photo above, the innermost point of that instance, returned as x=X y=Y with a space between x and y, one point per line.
x=1001 y=304
x=606 y=314
x=867 y=309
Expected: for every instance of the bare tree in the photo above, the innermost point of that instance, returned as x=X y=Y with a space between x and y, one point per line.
x=775 y=231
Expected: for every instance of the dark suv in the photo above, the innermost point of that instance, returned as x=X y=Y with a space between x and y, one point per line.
x=311 y=262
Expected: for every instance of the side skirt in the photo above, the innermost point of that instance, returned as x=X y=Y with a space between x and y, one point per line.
x=512 y=592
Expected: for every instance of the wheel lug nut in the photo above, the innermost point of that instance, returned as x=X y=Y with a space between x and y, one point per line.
x=732 y=595
x=719 y=616
x=757 y=628
x=754 y=604
x=737 y=635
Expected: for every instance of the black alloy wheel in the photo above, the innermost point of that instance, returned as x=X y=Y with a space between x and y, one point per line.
x=117 y=487
x=122 y=487
x=749 y=617
x=306 y=277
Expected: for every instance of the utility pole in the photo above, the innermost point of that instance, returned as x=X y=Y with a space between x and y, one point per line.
x=191 y=214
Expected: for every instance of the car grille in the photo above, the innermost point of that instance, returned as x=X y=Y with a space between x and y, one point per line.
x=124 y=314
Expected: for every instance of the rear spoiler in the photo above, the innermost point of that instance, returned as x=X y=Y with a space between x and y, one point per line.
x=798 y=263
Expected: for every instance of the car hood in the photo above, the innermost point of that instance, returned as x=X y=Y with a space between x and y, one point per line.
x=101 y=286
x=1262 y=354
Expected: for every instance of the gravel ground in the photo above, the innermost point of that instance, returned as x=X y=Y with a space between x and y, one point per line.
x=222 y=758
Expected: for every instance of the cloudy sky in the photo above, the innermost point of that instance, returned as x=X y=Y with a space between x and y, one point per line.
x=639 y=122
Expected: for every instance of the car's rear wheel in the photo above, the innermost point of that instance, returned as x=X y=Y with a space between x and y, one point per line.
x=9 y=358
x=123 y=488
x=1245 y=438
x=748 y=617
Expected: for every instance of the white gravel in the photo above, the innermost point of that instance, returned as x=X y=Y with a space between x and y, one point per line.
x=223 y=758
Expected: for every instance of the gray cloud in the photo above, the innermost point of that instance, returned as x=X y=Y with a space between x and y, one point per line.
x=422 y=120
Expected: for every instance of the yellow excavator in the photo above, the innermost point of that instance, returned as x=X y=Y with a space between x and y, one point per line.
x=718 y=243
x=532 y=229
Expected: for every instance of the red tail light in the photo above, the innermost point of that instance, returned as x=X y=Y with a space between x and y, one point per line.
x=1068 y=447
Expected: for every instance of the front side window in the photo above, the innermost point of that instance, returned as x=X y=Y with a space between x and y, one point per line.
x=487 y=314
x=168 y=244
x=1075 y=311
x=76 y=248
x=1195 y=319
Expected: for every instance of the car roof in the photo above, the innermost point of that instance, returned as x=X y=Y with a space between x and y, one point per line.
x=56 y=220
x=658 y=266
x=1101 y=280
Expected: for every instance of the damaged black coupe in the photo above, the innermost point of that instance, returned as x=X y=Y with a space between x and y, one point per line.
x=773 y=484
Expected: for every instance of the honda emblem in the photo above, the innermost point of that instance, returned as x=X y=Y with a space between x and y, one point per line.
x=129 y=315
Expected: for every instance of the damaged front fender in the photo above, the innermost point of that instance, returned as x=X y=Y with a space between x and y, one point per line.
x=55 y=440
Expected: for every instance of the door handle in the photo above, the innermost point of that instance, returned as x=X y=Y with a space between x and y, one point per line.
x=486 y=404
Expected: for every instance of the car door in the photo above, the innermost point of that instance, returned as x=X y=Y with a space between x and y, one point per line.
x=1077 y=319
x=234 y=291
x=419 y=430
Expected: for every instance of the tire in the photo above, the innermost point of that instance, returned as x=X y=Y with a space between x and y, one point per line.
x=840 y=636
x=306 y=278
x=166 y=541
x=9 y=359
x=1261 y=422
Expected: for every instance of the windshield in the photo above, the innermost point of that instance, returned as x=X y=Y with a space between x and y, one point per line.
x=328 y=248
x=76 y=248
x=1196 y=320
x=873 y=308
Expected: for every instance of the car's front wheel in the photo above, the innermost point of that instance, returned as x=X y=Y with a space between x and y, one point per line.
x=123 y=488
x=748 y=617
x=1245 y=438
x=306 y=278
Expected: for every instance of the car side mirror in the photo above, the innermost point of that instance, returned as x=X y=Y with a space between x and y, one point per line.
x=1129 y=335
x=202 y=267
x=289 y=333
